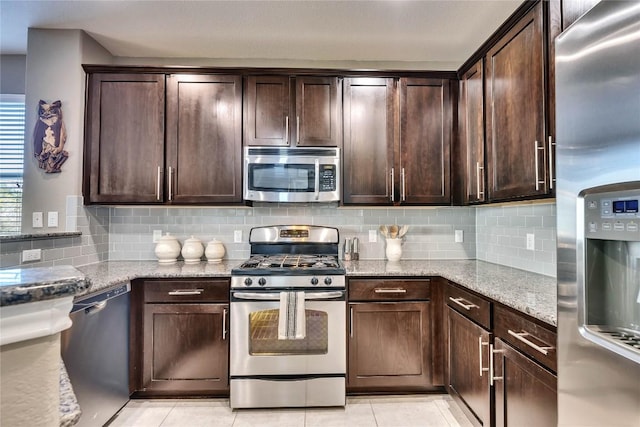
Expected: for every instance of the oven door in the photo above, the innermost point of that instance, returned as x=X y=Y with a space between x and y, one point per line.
x=257 y=351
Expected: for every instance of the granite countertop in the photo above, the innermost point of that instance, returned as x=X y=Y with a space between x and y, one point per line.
x=24 y=285
x=527 y=292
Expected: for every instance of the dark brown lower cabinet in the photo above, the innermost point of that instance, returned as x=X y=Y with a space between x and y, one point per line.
x=525 y=392
x=186 y=348
x=389 y=346
x=180 y=338
x=469 y=366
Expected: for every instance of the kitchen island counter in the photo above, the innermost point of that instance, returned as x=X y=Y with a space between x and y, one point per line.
x=530 y=293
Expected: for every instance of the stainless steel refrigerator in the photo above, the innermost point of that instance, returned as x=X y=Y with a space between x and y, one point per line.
x=598 y=191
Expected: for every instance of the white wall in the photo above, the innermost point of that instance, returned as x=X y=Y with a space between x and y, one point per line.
x=53 y=73
x=12 y=73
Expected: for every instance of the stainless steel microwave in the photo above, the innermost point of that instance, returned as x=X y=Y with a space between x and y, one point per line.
x=283 y=174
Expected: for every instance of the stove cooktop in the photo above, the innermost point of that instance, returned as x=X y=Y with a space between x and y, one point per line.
x=288 y=264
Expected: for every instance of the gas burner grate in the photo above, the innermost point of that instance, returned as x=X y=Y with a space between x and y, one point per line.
x=628 y=338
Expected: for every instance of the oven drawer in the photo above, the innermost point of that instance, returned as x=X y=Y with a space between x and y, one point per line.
x=472 y=306
x=389 y=289
x=527 y=336
x=186 y=290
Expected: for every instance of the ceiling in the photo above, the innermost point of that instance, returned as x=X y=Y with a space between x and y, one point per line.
x=435 y=34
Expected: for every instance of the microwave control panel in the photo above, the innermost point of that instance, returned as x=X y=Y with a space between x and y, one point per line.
x=327 y=178
x=612 y=215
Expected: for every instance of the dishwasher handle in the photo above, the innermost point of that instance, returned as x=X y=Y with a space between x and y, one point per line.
x=96 y=302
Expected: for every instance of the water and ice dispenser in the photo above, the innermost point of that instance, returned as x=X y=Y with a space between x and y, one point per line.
x=609 y=267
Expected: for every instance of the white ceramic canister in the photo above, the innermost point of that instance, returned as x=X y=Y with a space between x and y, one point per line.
x=167 y=249
x=214 y=251
x=192 y=250
x=394 y=249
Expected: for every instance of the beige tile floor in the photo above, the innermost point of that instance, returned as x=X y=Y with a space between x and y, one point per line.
x=369 y=411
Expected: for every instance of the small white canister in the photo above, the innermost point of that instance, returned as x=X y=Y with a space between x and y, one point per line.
x=167 y=249
x=192 y=250
x=215 y=251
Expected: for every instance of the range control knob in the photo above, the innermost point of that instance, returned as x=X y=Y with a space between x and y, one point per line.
x=262 y=281
x=248 y=281
x=314 y=281
x=327 y=281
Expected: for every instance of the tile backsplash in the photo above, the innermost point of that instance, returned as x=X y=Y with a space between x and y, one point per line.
x=495 y=234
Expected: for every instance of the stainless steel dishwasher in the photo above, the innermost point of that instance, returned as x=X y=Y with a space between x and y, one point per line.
x=95 y=351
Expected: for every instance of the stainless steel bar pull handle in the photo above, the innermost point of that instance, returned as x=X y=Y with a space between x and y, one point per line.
x=286 y=129
x=158 y=183
x=170 y=183
x=536 y=161
x=351 y=322
x=298 y=128
x=403 y=183
x=521 y=337
x=492 y=377
x=466 y=304
x=186 y=292
x=479 y=174
x=224 y=324
x=390 y=291
x=393 y=185
x=551 y=162
x=480 y=345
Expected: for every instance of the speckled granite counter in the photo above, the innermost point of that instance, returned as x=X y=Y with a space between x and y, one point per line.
x=69 y=409
x=23 y=285
x=530 y=293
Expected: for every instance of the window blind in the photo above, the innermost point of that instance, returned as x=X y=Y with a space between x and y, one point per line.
x=12 y=112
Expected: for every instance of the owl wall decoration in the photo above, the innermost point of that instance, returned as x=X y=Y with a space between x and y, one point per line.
x=49 y=137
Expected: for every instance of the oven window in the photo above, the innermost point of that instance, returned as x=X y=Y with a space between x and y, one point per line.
x=276 y=177
x=263 y=334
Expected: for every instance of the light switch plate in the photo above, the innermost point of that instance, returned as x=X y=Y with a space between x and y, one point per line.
x=459 y=236
x=531 y=242
x=373 y=236
x=157 y=234
x=36 y=221
x=52 y=219
x=237 y=236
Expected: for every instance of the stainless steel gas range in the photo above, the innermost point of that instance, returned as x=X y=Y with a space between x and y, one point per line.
x=288 y=316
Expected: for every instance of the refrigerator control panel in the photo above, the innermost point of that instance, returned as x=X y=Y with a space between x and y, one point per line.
x=612 y=215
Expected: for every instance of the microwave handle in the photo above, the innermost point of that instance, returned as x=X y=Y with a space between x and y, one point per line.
x=317 y=180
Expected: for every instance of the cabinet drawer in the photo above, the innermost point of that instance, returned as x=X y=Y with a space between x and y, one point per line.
x=527 y=336
x=472 y=306
x=186 y=290
x=389 y=290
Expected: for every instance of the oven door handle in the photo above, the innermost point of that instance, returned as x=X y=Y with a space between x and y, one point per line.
x=271 y=296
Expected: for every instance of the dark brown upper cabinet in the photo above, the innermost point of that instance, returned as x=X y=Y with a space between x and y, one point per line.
x=370 y=110
x=471 y=128
x=397 y=135
x=124 y=138
x=425 y=141
x=204 y=139
x=293 y=111
x=515 y=111
x=128 y=118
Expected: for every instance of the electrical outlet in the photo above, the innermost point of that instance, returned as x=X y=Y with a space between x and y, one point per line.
x=459 y=236
x=237 y=236
x=157 y=234
x=52 y=219
x=373 y=236
x=531 y=242
x=36 y=221
x=30 y=255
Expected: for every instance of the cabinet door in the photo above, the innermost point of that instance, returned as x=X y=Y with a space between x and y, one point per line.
x=516 y=145
x=389 y=346
x=469 y=365
x=124 y=138
x=204 y=139
x=425 y=135
x=267 y=106
x=525 y=392
x=318 y=111
x=472 y=131
x=186 y=350
x=369 y=132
